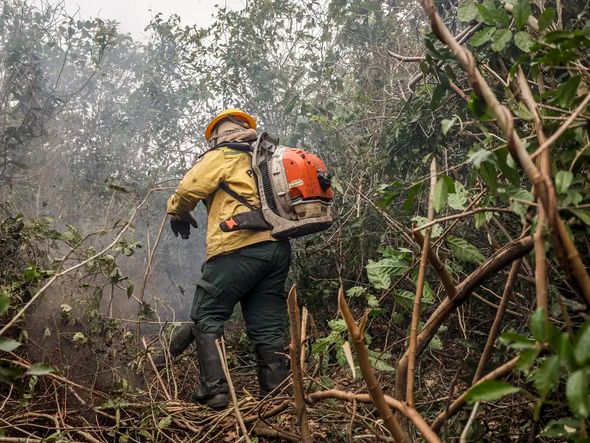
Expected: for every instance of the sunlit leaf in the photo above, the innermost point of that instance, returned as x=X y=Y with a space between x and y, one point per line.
x=546 y=377
x=8 y=344
x=500 y=39
x=483 y=36
x=40 y=369
x=577 y=393
x=521 y=13
x=490 y=390
x=524 y=41
x=582 y=344
x=563 y=180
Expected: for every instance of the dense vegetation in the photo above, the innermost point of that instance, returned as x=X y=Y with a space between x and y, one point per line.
x=453 y=288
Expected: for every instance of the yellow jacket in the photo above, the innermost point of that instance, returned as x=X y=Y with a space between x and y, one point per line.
x=202 y=183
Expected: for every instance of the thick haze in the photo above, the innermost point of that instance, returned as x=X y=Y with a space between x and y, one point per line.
x=135 y=15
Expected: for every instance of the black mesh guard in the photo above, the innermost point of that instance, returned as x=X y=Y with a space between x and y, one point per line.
x=267 y=187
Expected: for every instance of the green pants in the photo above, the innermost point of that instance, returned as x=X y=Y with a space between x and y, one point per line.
x=254 y=276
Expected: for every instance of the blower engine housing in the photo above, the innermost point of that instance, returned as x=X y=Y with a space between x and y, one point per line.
x=295 y=188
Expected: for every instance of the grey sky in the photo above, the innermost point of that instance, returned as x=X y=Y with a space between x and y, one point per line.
x=134 y=15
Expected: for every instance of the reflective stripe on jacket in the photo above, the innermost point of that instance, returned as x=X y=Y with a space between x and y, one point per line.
x=202 y=183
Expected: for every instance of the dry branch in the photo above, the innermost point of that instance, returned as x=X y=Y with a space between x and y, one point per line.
x=375 y=391
x=565 y=242
x=419 y=291
x=266 y=431
x=295 y=356
x=220 y=345
x=407 y=411
x=511 y=252
x=495 y=329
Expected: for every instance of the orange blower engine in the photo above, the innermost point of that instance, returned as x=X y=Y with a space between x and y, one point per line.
x=295 y=189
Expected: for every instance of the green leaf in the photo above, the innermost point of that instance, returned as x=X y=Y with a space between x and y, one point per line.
x=524 y=41
x=130 y=290
x=356 y=291
x=437 y=95
x=8 y=373
x=577 y=393
x=582 y=344
x=458 y=199
x=8 y=344
x=40 y=369
x=500 y=39
x=446 y=125
x=441 y=192
x=405 y=298
x=518 y=199
x=490 y=390
x=526 y=359
x=547 y=376
x=582 y=214
x=566 y=94
x=516 y=341
x=481 y=156
x=565 y=351
x=463 y=250
x=537 y=325
x=436 y=343
x=563 y=180
x=412 y=193
x=521 y=13
x=467 y=12
x=379 y=273
x=546 y=18
x=435 y=230
x=562 y=428
x=492 y=15
x=4 y=303
x=483 y=36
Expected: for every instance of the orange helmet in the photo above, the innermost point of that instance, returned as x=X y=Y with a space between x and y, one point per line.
x=237 y=114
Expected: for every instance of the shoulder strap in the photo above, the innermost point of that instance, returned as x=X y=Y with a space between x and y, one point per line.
x=236 y=196
x=238 y=146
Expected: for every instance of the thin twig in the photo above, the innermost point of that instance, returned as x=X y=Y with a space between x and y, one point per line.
x=155 y=369
x=148 y=267
x=495 y=329
x=419 y=291
x=469 y=423
x=220 y=345
x=461 y=215
x=295 y=356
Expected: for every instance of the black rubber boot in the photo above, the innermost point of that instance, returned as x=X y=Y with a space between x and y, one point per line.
x=272 y=368
x=181 y=339
x=213 y=390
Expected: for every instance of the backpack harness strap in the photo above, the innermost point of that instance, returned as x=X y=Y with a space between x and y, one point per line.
x=236 y=196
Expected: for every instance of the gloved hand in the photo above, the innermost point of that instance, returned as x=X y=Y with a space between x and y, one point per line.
x=182 y=225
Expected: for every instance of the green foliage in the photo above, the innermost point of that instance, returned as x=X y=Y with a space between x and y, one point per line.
x=563 y=365
x=464 y=251
x=393 y=263
x=490 y=390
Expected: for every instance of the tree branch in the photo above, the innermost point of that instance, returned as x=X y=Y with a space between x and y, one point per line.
x=419 y=290
x=390 y=421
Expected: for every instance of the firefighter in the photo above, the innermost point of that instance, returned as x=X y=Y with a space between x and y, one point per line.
x=246 y=266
